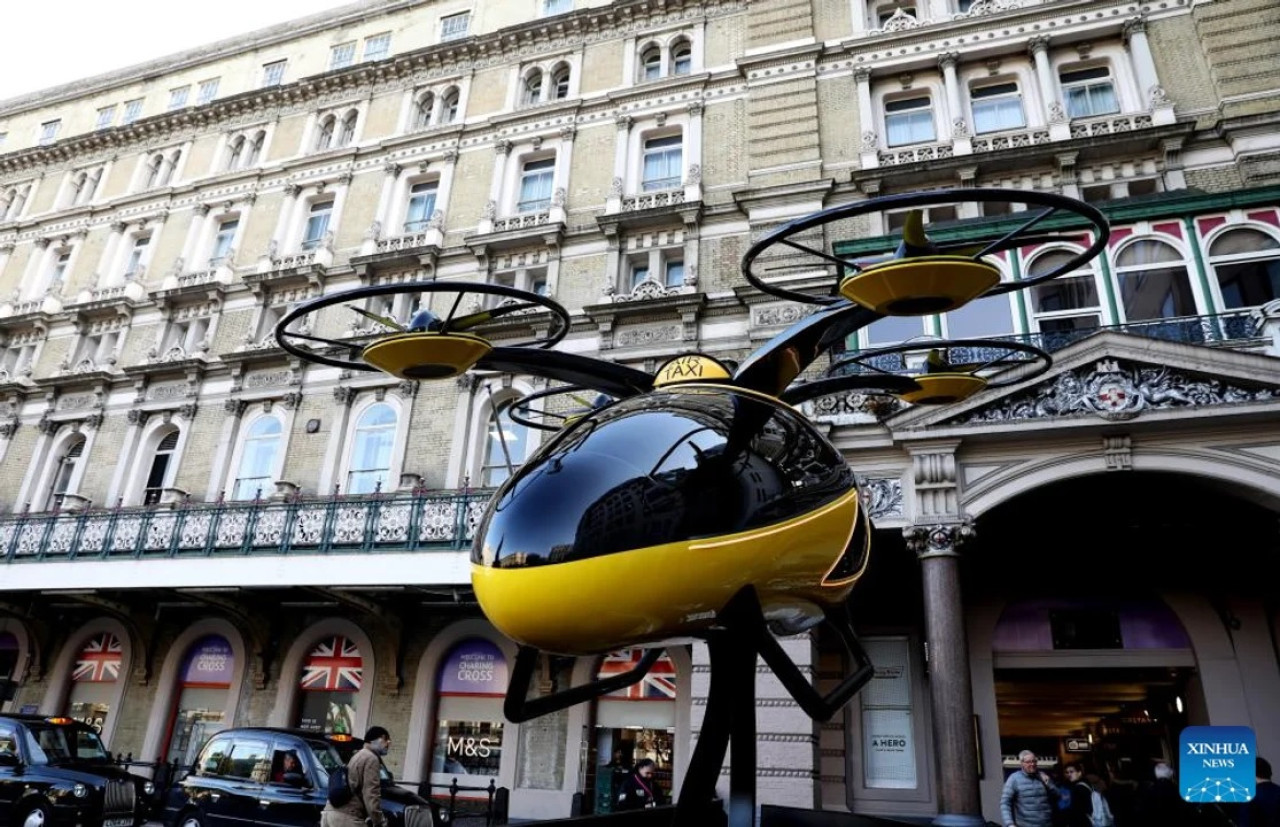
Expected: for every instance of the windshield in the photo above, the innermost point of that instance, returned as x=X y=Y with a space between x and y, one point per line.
x=326 y=759
x=51 y=744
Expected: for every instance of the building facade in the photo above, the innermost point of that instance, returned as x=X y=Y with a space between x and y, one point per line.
x=201 y=531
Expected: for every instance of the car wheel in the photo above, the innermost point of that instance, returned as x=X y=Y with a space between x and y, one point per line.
x=189 y=819
x=37 y=816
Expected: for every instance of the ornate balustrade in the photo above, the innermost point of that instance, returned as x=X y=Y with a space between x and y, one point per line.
x=419 y=521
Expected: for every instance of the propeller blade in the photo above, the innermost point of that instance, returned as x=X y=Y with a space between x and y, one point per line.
x=473 y=319
x=380 y=319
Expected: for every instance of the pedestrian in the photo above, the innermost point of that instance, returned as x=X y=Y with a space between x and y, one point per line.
x=640 y=791
x=1264 y=809
x=364 y=776
x=1080 y=813
x=1029 y=797
x=1160 y=805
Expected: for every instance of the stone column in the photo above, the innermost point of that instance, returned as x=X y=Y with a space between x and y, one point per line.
x=1144 y=69
x=951 y=692
x=106 y=275
x=501 y=152
x=37 y=266
x=960 y=132
x=284 y=221
x=1054 y=114
x=444 y=187
x=870 y=154
x=390 y=177
x=613 y=202
x=693 y=154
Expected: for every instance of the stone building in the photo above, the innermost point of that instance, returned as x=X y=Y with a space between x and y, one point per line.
x=201 y=532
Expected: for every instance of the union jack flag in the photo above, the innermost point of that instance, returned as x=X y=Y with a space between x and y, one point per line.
x=335 y=665
x=658 y=685
x=99 y=660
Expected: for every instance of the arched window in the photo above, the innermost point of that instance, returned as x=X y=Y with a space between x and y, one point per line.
x=154 y=168
x=93 y=678
x=1247 y=264
x=324 y=137
x=255 y=148
x=331 y=678
x=64 y=472
x=633 y=724
x=1066 y=307
x=470 y=686
x=8 y=656
x=169 y=167
x=422 y=115
x=681 y=58
x=347 y=130
x=235 y=152
x=203 y=685
x=532 y=92
x=651 y=63
x=560 y=82
x=258 y=460
x=1153 y=282
x=449 y=106
x=504 y=450
x=370 y=466
x=158 y=472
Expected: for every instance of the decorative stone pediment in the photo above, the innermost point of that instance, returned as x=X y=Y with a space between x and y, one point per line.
x=1116 y=377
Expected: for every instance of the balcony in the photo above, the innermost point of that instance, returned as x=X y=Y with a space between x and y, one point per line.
x=415 y=521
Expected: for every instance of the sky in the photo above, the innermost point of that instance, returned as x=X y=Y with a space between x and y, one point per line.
x=49 y=42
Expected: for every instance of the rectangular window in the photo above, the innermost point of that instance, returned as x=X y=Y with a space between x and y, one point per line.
x=134 y=266
x=997 y=107
x=455 y=26
x=535 y=185
x=317 y=224
x=208 y=90
x=49 y=132
x=178 y=97
x=377 y=47
x=888 y=721
x=908 y=121
x=1089 y=92
x=674 y=276
x=106 y=117
x=422 y=203
x=342 y=55
x=4 y=137
x=550 y=7
x=132 y=110
x=273 y=73
x=222 y=241
x=663 y=163
x=639 y=273
x=59 y=271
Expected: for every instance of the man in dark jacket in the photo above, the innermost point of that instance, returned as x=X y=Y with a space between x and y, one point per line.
x=1029 y=796
x=1160 y=804
x=640 y=790
x=364 y=776
x=1264 y=809
x=1080 y=814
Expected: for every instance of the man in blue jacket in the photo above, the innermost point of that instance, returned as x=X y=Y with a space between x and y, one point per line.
x=1029 y=796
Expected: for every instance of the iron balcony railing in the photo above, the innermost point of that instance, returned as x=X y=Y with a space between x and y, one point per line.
x=1234 y=329
x=417 y=521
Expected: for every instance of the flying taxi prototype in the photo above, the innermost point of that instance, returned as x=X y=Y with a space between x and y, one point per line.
x=698 y=502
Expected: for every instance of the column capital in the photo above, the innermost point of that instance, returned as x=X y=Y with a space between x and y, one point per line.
x=862 y=74
x=292 y=190
x=502 y=147
x=696 y=108
x=938 y=540
x=624 y=123
x=1037 y=44
x=567 y=133
x=1134 y=25
x=948 y=60
x=392 y=170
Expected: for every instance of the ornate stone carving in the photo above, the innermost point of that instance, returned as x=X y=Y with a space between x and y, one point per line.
x=137 y=417
x=771 y=315
x=490 y=210
x=882 y=497
x=1116 y=391
x=959 y=128
x=502 y=147
x=9 y=427
x=1156 y=96
x=1039 y=43
x=638 y=336
x=94 y=420
x=1118 y=453
x=408 y=388
x=900 y=21
x=948 y=59
x=624 y=123
x=1056 y=113
x=615 y=189
x=862 y=75
x=942 y=540
x=558 y=197
x=344 y=395
x=46 y=425
x=292 y=400
x=188 y=410
x=235 y=407
x=870 y=141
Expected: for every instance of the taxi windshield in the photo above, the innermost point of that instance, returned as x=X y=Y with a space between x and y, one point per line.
x=53 y=744
x=326 y=759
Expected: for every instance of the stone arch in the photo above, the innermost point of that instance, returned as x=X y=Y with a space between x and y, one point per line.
x=55 y=697
x=287 y=692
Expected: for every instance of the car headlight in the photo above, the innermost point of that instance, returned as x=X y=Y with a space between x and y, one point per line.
x=148 y=787
x=80 y=791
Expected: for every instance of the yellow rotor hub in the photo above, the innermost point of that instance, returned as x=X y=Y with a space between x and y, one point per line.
x=426 y=355
x=920 y=286
x=943 y=388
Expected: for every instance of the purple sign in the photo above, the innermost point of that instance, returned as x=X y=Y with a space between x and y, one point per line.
x=474 y=667
x=210 y=662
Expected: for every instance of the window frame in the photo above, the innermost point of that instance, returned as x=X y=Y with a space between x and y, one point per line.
x=528 y=174
x=48 y=132
x=662 y=146
x=423 y=192
x=106 y=117
x=243 y=453
x=1120 y=271
x=207 y=90
x=978 y=102
x=178 y=98
x=383 y=38
x=273 y=73
x=1232 y=259
x=308 y=240
x=1099 y=310
x=459 y=32
x=342 y=55
x=394 y=450
x=132 y=111
x=891 y=115
x=1087 y=84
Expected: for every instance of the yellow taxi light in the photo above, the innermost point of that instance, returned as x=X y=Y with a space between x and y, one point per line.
x=60 y=721
x=341 y=738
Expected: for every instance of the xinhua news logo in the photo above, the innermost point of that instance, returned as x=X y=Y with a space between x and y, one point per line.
x=1217 y=764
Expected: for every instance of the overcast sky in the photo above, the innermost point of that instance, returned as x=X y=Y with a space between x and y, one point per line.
x=48 y=42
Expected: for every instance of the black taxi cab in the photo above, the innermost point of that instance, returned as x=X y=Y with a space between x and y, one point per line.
x=55 y=772
x=273 y=778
